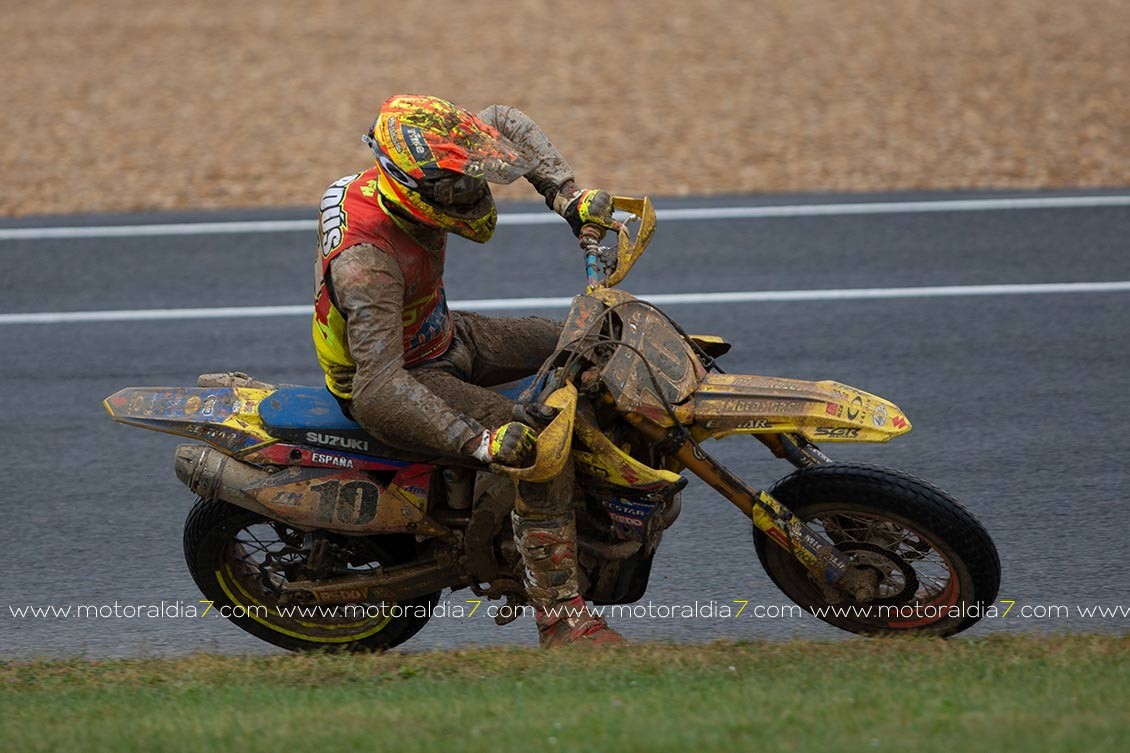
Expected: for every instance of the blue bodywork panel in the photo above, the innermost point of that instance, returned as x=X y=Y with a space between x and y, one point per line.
x=315 y=408
x=304 y=408
x=514 y=390
x=630 y=517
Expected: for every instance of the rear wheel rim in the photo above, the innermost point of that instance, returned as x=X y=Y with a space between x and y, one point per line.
x=252 y=570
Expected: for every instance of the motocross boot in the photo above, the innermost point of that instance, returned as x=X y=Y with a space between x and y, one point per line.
x=549 y=553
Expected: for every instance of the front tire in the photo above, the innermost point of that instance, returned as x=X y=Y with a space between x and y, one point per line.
x=938 y=567
x=239 y=559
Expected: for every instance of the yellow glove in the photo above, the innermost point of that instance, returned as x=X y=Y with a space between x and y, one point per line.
x=585 y=207
x=511 y=444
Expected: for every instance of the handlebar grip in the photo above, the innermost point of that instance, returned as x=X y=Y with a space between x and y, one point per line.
x=590 y=232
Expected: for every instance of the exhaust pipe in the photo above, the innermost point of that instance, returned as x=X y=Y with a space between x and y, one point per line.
x=306 y=498
x=285 y=495
x=214 y=475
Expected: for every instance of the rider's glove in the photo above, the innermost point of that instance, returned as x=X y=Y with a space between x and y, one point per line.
x=511 y=445
x=585 y=207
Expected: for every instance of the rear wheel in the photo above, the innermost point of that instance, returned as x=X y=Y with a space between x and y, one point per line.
x=936 y=566
x=240 y=560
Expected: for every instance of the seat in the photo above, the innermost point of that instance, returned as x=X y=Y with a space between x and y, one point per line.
x=292 y=408
x=311 y=415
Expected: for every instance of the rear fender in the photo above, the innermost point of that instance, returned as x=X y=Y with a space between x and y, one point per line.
x=225 y=417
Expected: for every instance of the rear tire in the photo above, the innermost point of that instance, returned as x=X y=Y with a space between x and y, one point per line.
x=938 y=566
x=226 y=546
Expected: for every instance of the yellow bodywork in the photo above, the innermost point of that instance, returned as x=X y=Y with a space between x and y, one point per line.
x=602 y=459
x=711 y=345
x=825 y=411
x=554 y=442
x=629 y=250
x=610 y=464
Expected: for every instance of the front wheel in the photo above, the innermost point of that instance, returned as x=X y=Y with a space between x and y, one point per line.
x=938 y=570
x=240 y=560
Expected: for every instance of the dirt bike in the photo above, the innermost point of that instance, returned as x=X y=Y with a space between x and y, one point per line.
x=298 y=507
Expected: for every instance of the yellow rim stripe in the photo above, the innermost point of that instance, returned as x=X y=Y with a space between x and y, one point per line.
x=301 y=636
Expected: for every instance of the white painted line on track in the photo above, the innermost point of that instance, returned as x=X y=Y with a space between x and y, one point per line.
x=183 y=228
x=663 y=299
x=546 y=217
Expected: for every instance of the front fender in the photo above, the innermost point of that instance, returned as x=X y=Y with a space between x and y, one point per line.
x=822 y=411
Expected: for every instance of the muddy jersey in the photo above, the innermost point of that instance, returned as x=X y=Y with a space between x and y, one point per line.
x=351 y=214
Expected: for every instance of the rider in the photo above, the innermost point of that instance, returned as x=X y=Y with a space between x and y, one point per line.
x=413 y=373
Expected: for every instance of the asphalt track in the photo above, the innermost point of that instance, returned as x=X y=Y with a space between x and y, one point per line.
x=1020 y=401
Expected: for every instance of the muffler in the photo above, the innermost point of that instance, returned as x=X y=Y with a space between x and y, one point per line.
x=306 y=498
x=310 y=498
x=214 y=475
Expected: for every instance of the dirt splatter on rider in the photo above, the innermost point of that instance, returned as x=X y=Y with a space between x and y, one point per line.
x=413 y=373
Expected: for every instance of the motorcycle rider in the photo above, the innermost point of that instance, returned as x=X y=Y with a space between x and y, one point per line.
x=413 y=373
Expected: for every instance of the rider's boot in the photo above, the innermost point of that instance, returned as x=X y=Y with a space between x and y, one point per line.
x=549 y=552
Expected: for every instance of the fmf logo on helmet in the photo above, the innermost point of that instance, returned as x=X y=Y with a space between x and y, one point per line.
x=394 y=136
x=332 y=219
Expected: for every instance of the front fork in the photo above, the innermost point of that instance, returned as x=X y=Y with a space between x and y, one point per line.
x=796 y=449
x=821 y=557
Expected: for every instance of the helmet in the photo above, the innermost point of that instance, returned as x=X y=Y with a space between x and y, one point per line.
x=434 y=159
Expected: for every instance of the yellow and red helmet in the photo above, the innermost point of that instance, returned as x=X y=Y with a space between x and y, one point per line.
x=434 y=159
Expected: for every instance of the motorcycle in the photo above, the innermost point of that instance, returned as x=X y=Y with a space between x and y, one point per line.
x=313 y=535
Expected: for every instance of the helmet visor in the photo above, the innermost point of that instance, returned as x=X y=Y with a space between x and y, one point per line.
x=491 y=158
x=478 y=155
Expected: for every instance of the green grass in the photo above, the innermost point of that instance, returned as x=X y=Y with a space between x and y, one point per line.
x=1060 y=693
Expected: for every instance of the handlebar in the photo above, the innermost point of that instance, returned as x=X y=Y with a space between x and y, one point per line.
x=590 y=244
x=628 y=250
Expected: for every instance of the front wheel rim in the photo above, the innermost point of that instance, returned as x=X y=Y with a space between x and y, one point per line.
x=861 y=536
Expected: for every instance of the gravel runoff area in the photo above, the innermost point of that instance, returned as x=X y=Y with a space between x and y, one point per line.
x=131 y=105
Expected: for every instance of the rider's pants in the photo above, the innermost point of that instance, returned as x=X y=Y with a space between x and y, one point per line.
x=488 y=351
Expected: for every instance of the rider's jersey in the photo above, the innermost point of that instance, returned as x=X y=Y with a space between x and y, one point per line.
x=351 y=214
x=388 y=310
